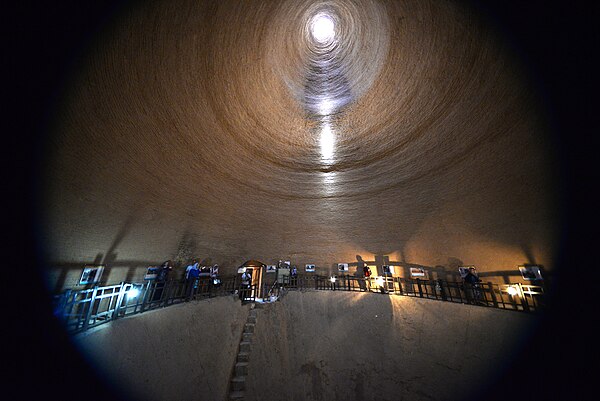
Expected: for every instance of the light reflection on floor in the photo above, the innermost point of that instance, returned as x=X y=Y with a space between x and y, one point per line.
x=329 y=180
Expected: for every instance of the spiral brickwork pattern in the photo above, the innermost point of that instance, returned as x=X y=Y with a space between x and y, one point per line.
x=227 y=130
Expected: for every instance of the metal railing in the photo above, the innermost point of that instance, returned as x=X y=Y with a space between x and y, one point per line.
x=518 y=297
x=84 y=309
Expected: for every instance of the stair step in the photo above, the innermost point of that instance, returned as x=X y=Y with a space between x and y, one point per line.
x=243 y=357
x=241 y=369
x=251 y=319
x=238 y=383
x=245 y=346
x=236 y=395
x=249 y=328
x=247 y=337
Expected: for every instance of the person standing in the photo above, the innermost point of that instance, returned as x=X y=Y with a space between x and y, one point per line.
x=294 y=278
x=472 y=280
x=367 y=274
x=161 y=280
x=214 y=271
x=192 y=272
x=214 y=281
x=245 y=286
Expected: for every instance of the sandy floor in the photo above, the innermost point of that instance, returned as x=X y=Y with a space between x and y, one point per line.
x=312 y=346
x=345 y=346
x=183 y=352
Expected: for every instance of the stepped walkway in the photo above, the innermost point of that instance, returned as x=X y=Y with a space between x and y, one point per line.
x=240 y=369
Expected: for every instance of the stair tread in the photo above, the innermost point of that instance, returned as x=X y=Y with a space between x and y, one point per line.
x=236 y=395
x=242 y=363
x=239 y=379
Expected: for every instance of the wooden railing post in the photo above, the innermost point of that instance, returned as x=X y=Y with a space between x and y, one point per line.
x=119 y=300
x=146 y=294
x=493 y=293
x=523 y=298
x=88 y=313
x=419 y=287
x=440 y=283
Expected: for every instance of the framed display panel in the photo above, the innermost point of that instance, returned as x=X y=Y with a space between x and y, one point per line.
x=387 y=269
x=417 y=272
x=343 y=267
x=309 y=268
x=271 y=268
x=91 y=274
x=531 y=272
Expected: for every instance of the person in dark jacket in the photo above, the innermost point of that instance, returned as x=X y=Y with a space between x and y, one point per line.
x=161 y=280
x=472 y=280
x=165 y=269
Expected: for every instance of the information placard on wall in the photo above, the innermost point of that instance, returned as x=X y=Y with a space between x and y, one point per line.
x=531 y=272
x=91 y=274
x=417 y=272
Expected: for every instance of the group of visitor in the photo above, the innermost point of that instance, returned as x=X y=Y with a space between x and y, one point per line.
x=194 y=272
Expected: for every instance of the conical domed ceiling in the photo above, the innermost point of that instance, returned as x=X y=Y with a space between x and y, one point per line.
x=308 y=130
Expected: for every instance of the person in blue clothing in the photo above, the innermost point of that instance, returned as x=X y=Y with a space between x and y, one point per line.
x=294 y=277
x=192 y=272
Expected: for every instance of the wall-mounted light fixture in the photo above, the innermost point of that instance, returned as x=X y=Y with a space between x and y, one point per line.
x=132 y=293
x=512 y=290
